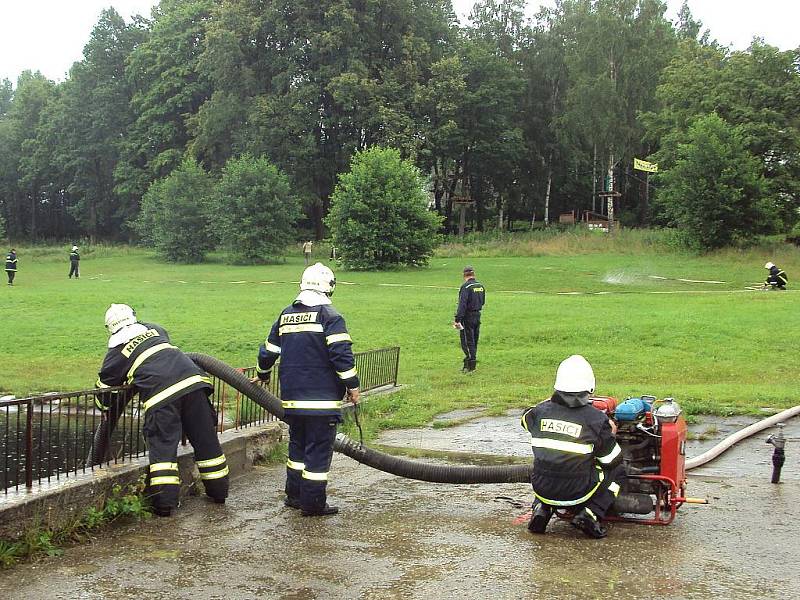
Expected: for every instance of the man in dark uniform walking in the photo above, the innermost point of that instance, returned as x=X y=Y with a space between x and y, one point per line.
x=471 y=298
x=578 y=463
x=74 y=262
x=11 y=266
x=317 y=368
x=174 y=395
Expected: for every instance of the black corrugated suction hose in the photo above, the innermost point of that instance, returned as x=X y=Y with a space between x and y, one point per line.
x=411 y=469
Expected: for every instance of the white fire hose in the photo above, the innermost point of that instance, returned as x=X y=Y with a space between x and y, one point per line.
x=729 y=441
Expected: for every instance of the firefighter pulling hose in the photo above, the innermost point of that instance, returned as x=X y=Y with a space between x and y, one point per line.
x=629 y=502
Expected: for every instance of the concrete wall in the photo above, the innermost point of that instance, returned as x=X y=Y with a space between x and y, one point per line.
x=57 y=504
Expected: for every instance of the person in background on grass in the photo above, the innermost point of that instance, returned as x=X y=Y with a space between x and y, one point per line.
x=317 y=367
x=777 y=277
x=307 y=248
x=11 y=266
x=471 y=298
x=74 y=261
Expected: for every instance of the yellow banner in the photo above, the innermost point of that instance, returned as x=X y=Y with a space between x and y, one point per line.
x=643 y=165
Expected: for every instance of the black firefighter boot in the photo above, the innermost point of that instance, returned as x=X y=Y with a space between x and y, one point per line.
x=540 y=517
x=589 y=524
x=320 y=512
x=471 y=364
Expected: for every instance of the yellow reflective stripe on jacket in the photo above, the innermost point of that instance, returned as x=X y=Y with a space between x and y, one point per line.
x=215 y=474
x=315 y=476
x=165 y=466
x=100 y=384
x=144 y=356
x=347 y=374
x=295 y=466
x=610 y=456
x=580 y=500
x=312 y=404
x=211 y=462
x=174 y=389
x=272 y=348
x=167 y=480
x=571 y=447
x=523 y=421
x=338 y=337
x=613 y=487
x=301 y=328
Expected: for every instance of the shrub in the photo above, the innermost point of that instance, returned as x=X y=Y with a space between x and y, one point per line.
x=175 y=216
x=256 y=211
x=714 y=192
x=379 y=215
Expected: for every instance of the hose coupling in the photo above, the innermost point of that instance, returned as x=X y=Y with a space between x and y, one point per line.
x=778 y=455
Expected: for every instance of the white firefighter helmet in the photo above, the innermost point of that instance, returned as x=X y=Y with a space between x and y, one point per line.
x=769 y=265
x=119 y=316
x=318 y=278
x=574 y=375
x=74 y=248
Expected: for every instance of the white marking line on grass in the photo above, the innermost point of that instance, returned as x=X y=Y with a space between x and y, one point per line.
x=413 y=285
x=687 y=280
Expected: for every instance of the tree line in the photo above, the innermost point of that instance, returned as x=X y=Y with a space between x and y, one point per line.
x=525 y=118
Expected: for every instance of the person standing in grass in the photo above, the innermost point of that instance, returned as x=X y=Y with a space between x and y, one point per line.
x=74 y=261
x=471 y=298
x=307 y=248
x=11 y=266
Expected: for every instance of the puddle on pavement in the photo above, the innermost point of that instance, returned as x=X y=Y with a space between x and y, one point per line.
x=400 y=539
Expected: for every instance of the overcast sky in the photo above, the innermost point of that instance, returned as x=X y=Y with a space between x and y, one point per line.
x=49 y=35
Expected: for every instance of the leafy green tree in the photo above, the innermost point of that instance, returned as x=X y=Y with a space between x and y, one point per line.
x=256 y=211
x=713 y=193
x=177 y=214
x=97 y=105
x=309 y=82
x=755 y=91
x=379 y=214
x=23 y=183
x=167 y=91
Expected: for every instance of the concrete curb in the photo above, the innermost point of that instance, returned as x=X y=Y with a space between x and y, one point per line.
x=58 y=504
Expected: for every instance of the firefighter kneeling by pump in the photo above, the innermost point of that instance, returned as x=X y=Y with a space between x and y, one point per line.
x=577 y=461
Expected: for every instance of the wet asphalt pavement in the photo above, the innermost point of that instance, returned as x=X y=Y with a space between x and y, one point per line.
x=397 y=539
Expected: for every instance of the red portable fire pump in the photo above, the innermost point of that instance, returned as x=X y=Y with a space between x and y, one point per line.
x=652 y=435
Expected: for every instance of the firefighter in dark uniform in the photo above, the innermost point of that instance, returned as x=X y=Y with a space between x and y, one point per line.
x=777 y=278
x=174 y=395
x=577 y=461
x=11 y=266
x=317 y=368
x=74 y=263
x=471 y=298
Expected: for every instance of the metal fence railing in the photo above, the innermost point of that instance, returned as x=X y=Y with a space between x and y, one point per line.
x=53 y=436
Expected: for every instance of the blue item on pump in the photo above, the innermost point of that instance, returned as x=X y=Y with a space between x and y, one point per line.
x=632 y=409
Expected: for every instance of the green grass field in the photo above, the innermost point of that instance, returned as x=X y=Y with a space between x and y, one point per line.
x=713 y=346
